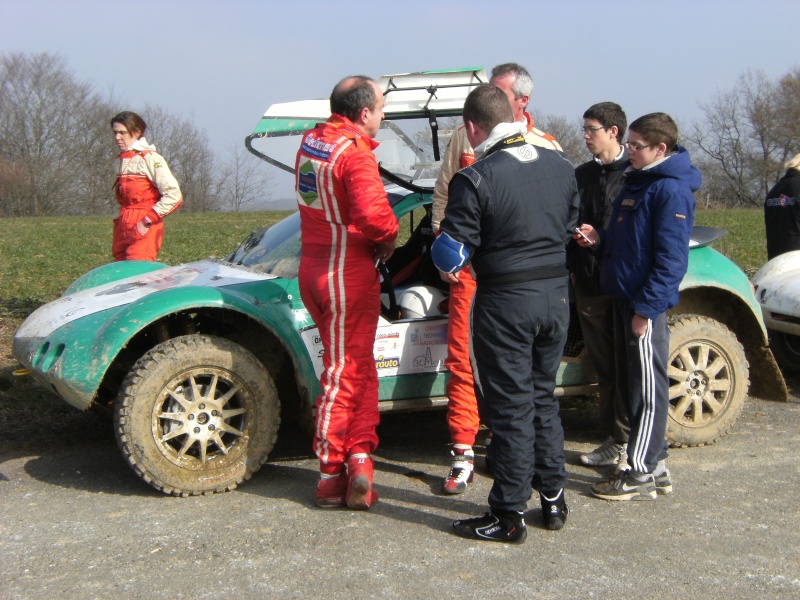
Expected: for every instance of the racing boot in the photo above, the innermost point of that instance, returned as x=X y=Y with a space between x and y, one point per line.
x=360 y=469
x=494 y=526
x=461 y=471
x=554 y=509
x=331 y=490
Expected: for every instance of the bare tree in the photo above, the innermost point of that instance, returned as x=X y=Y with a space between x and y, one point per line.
x=788 y=113
x=244 y=180
x=568 y=134
x=43 y=134
x=745 y=136
x=188 y=153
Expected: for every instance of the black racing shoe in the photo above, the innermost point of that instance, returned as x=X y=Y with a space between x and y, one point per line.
x=507 y=527
x=554 y=509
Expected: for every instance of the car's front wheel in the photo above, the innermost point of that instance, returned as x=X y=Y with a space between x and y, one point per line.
x=197 y=414
x=709 y=379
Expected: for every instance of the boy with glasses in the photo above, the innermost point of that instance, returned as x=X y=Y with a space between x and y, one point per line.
x=645 y=254
x=599 y=182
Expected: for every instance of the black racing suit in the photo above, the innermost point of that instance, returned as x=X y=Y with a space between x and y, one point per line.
x=513 y=209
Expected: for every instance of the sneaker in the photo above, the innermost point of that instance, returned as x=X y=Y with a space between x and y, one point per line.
x=331 y=491
x=554 y=510
x=608 y=453
x=360 y=495
x=508 y=527
x=461 y=471
x=663 y=482
x=627 y=486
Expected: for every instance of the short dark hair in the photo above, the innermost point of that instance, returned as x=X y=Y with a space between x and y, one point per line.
x=351 y=95
x=523 y=83
x=486 y=106
x=132 y=122
x=657 y=128
x=608 y=114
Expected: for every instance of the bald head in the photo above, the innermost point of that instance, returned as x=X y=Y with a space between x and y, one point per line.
x=351 y=95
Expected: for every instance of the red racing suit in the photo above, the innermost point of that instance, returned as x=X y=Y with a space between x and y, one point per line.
x=145 y=187
x=462 y=407
x=344 y=213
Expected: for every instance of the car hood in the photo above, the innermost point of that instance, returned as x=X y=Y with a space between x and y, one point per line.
x=778 y=284
x=205 y=273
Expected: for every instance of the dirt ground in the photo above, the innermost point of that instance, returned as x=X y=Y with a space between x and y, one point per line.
x=75 y=521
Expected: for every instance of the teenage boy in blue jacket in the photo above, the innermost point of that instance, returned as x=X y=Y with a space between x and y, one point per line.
x=645 y=253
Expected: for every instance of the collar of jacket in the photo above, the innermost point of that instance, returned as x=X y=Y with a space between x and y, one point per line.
x=499 y=133
x=349 y=129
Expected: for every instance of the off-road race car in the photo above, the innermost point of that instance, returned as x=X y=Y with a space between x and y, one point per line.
x=200 y=362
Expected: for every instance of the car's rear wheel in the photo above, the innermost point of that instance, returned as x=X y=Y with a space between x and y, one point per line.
x=786 y=349
x=197 y=414
x=709 y=379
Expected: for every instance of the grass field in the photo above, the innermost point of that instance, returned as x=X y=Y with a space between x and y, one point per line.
x=40 y=257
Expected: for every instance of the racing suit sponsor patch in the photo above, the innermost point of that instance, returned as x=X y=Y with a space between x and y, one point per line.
x=307 y=183
x=782 y=200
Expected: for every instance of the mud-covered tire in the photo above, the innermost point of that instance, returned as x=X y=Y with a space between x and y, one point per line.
x=786 y=350
x=708 y=377
x=197 y=414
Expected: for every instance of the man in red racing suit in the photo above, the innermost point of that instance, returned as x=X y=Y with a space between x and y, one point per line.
x=346 y=225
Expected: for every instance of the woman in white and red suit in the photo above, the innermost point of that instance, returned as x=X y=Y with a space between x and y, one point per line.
x=145 y=189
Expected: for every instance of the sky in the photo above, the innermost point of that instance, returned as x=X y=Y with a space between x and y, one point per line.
x=222 y=64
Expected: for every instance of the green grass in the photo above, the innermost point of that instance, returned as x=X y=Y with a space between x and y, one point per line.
x=40 y=257
x=746 y=242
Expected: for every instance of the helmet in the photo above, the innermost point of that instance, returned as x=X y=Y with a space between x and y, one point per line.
x=420 y=301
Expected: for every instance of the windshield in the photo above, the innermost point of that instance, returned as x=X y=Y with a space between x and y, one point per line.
x=274 y=250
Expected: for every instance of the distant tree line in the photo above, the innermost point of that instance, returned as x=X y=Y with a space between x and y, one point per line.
x=57 y=154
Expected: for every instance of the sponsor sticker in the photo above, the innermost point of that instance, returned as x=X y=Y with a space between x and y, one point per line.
x=387 y=362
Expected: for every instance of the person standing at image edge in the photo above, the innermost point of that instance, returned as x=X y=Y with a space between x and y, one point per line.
x=782 y=212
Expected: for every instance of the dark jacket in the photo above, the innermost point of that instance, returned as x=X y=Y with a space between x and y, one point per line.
x=598 y=186
x=645 y=250
x=782 y=215
x=514 y=209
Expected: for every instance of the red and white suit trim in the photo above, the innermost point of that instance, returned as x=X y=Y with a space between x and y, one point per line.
x=344 y=212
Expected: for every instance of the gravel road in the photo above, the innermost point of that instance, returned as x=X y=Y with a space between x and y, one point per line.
x=75 y=522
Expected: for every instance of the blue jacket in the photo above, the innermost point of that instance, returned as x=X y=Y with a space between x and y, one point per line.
x=645 y=249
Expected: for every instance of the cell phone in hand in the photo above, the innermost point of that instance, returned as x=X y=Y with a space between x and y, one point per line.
x=583 y=235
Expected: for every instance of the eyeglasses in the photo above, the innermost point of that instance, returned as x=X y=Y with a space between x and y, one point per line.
x=592 y=129
x=637 y=147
